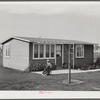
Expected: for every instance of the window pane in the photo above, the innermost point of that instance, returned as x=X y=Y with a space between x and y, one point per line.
x=52 y=50
x=80 y=50
x=35 y=50
x=47 y=50
x=58 y=51
x=41 y=50
x=6 y=50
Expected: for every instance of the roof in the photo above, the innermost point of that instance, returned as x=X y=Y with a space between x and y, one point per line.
x=48 y=40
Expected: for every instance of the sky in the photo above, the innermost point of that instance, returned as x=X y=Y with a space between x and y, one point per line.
x=60 y=20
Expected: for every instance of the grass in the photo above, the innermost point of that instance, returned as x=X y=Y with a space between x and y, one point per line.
x=16 y=80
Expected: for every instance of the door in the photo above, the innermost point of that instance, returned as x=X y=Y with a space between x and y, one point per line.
x=59 y=55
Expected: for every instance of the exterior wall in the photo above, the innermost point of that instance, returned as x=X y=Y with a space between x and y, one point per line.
x=66 y=53
x=30 y=51
x=39 y=60
x=43 y=60
x=19 y=55
x=88 y=56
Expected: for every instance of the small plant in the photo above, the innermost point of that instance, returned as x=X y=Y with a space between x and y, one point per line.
x=53 y=66
x=76 y=67
x=84 y=67
x=34 y=66
x=97 y=62
x=65 y=65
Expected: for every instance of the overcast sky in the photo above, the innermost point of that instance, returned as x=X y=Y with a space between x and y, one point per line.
x=62 y=20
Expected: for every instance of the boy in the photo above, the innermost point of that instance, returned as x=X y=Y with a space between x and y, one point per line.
x=48 y=68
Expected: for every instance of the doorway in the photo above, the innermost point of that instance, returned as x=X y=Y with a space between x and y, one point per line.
x=59 y=56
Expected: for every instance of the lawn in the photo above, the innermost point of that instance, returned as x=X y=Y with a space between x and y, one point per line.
x=16 y=80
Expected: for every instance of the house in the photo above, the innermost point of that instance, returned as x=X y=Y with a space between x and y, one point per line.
x=19 y=51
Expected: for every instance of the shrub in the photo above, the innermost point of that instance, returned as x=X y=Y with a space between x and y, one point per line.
x=53 y=66
x=65 y=65
x=76 y=67
x=34 y=66
x=84 y=67
x=97 y=63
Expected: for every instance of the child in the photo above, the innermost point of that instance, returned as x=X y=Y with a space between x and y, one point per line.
x=48 y=68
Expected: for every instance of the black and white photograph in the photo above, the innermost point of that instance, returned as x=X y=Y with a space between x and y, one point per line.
x=49 y=46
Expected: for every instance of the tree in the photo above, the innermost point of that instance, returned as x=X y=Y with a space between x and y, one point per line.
x=0 y=50
x=96 y=47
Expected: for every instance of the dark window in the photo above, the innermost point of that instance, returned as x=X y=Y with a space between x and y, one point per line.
x=47 y=50
x=41 y=50
x=35 y=50
x=52 y=50
x=58 y=51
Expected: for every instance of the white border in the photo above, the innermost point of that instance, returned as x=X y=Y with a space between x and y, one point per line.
x=48 y=94
x=55 y=94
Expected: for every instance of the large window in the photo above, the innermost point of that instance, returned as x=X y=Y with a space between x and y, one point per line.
x=47 y=51
x=58 y=51
x=7 y=48
x=41 y=50
x=79 y=51
x=36 y=50
x=44 y=51
x=52 y=50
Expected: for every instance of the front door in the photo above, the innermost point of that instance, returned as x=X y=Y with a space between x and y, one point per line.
x=59 y=55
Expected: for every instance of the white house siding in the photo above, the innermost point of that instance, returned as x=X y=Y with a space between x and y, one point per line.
x=19 y=55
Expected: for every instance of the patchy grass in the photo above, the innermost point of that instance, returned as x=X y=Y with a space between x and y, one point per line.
x=16 y=80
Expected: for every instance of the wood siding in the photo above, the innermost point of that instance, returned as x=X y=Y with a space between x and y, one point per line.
x=88 y=56
x=44 y=60
x=19 y=55
x=66 y=53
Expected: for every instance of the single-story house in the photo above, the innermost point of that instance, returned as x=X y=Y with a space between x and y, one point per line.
x=19 y=51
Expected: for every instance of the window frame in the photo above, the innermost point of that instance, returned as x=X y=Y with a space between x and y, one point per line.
x=7 y=50
x=44 y=52
x=82 y=50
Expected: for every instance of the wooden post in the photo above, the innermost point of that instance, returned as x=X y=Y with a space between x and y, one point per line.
x=69 y=67
x=73 y=56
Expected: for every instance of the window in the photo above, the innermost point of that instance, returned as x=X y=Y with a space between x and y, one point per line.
x=41 y=50
x=47 y=50
x=35 y=50
x=7 y=47
x=52 y=50
x=58 y=51
x=79 y=51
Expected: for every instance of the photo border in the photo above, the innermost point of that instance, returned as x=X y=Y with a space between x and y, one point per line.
x=16 y=95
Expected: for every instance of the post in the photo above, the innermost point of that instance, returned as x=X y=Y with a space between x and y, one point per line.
x=69 y=67
x=73 y=56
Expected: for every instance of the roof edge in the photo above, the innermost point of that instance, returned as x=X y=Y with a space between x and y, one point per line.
x=14 y=37
x=21 y=39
